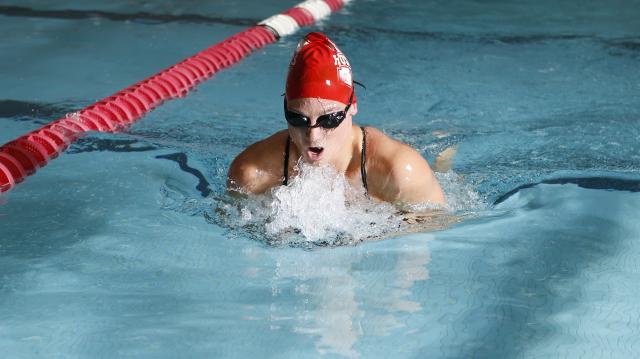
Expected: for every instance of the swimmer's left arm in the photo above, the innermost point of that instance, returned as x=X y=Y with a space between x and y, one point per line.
x=413 y=180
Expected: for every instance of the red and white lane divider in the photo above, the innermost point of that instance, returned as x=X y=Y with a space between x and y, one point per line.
x=26 y=154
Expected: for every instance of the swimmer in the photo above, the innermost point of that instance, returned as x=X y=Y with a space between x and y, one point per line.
x=319 y=105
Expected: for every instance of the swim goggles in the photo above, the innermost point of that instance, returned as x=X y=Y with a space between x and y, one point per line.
x=329 y=120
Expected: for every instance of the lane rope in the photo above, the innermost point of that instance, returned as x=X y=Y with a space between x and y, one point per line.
x=23 y=156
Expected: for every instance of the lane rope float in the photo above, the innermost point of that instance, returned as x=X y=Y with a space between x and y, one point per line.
x=23 y=156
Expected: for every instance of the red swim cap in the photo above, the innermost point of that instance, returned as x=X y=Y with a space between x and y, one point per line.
x=319 y=69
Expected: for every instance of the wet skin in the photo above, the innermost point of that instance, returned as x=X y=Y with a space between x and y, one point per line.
x=396 y=173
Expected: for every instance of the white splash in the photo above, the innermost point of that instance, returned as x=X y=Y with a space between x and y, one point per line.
x=321 y=205
x=461 y=196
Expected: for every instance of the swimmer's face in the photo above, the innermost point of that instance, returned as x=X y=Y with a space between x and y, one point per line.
x=321 y=145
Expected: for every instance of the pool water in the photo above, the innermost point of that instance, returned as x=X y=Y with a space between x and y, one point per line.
x=128 y=246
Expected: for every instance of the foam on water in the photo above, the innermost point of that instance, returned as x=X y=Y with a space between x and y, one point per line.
x=320 y=207
x=461 y=196
x=321 y=204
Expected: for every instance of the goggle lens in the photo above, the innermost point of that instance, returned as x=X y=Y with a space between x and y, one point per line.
x=329 y=120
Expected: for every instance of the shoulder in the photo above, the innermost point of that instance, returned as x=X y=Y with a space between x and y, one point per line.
x=259 y=167
x=387 y=151
x=398 y=172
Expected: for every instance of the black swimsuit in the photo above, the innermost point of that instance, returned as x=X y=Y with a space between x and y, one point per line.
x=363 y=169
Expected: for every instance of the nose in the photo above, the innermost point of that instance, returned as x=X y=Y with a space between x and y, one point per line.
x=314 y=134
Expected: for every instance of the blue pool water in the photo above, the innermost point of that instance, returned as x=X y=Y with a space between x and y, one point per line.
x=127 y=245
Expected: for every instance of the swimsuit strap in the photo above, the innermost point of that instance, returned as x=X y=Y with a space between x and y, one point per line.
x=286 y=161
x=363 y=160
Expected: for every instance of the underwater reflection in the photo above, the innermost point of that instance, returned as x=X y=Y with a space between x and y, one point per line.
x=341 y=295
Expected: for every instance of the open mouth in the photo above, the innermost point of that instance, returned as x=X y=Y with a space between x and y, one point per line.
x=316 y=150
x=314 y=153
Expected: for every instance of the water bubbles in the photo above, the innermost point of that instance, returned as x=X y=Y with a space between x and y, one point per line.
x=461 y=196
x=322 y=206
x=319 y=207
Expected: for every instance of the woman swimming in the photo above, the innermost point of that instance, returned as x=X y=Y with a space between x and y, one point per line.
x=319 y=105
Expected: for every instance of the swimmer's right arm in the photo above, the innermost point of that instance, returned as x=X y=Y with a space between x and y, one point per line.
x=239 y=179
x=245 y=177
x=258 y=168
